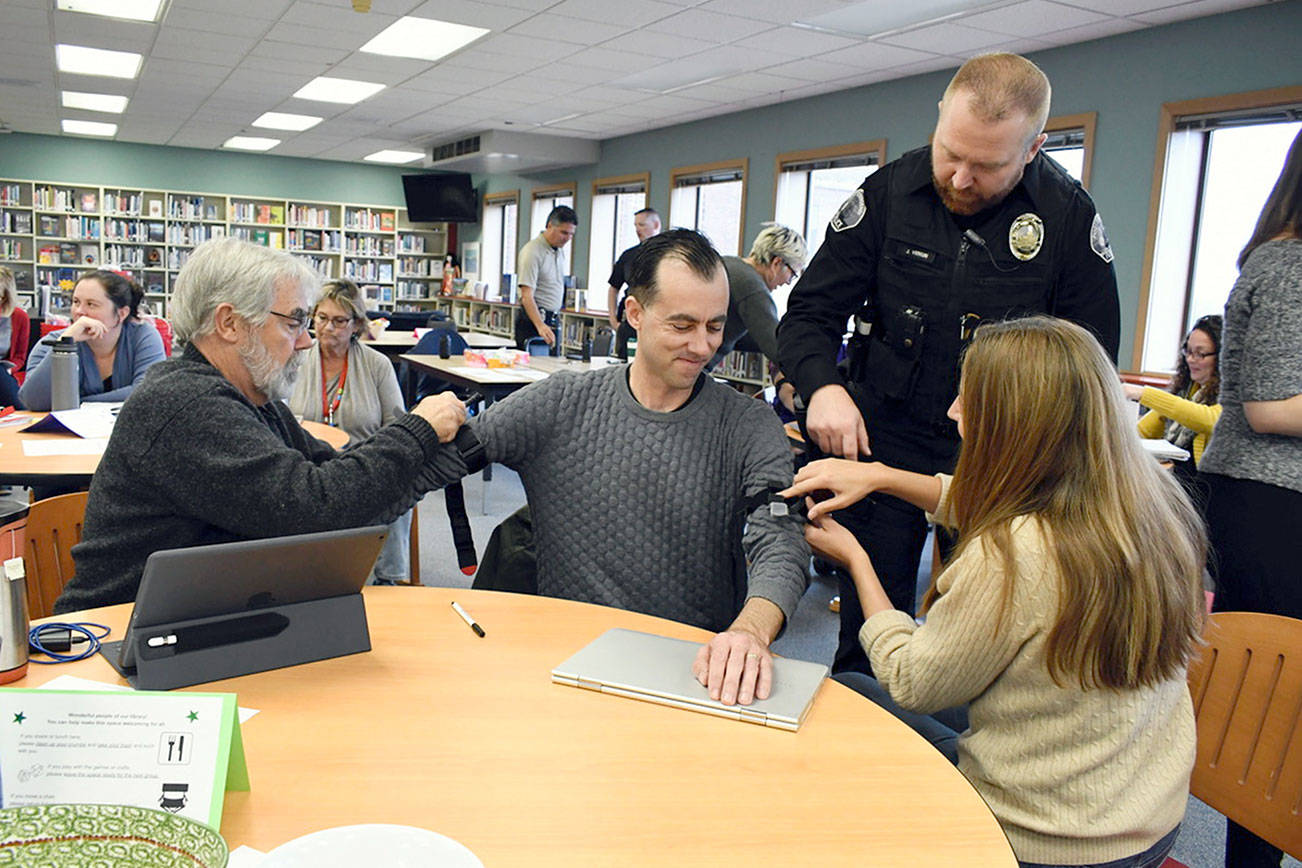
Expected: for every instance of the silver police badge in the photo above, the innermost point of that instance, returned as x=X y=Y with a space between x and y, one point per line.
x=850 y=212
x=1026 y=236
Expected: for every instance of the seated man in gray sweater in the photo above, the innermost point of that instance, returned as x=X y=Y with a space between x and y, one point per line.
x=641 y=479
x=205 y=450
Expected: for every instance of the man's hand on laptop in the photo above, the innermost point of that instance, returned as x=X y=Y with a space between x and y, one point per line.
x=445 y=414
x=736 y=666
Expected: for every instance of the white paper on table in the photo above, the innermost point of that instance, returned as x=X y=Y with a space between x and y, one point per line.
x=1164 y=450
x=72 y=682
x=245 y=856
x=487 y=375
x=530 y=375
x=46 y=448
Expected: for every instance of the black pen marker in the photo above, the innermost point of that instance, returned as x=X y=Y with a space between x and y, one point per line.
x=470 y=622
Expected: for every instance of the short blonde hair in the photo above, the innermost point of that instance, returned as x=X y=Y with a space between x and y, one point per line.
x=1002 y=85
x=776 y=241
x=8 y=291
x=348 y=296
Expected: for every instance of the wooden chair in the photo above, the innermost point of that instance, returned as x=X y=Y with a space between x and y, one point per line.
x=1247 y=695
x=53 y=528
x=415 y=545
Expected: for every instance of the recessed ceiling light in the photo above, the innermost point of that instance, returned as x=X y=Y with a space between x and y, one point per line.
x=422 y=38
x=394 y=156
x=80 y=60
x=250 y=143
x=284 y=121
x=90 y=128
x=95 y=102
x=136 y=10
x=340 y=90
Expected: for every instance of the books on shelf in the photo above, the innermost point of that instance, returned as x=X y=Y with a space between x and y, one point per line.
x=16 y=222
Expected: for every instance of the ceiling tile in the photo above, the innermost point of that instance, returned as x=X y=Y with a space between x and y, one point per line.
x=317 y=37
x=567 y=29
x=377 y=68
x=711 y=26
x=1032 y=17
x=946 y=38
x=284 y=65
x=99 y=32
x=523 y=47
x=759 y=82
x=602 y=58
x=796 y=42
x=456 y=80
x=650 y=42
x=215 y=22
x=291 y=51
x=1121 y=7
x=489 y=15
x=1193 y=10
x=777 y=11
x=872 y=56
x=809 y=70
x=263 y=9
x=338 y=16
x=631 y=13
x=1074 y=35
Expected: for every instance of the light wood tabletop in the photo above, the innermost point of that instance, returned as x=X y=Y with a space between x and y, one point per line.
x=19 y=468
x=389 y=340
x=497 y=380
x=440 y=729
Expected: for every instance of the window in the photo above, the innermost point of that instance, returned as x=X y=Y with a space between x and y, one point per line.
x=544 y=200
x=1071 y=143
x=1217 y=161
x=498 y=247
x=711 y=199
x=614 y=201
x=812 y=185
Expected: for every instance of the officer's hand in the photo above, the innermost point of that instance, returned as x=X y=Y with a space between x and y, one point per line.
x=546 y=333
x=835 y=423
x=445 y=414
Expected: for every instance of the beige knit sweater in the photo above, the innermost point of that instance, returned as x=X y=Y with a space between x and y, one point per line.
x=1074 y=776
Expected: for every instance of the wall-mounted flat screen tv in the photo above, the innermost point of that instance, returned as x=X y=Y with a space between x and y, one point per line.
x=441 y=197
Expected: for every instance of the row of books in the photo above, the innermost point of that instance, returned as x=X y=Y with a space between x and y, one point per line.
x=176 y=257
x=11 y=248
x=193 y=208
x=368 y=269
x=369 y=220
x=327 y=241
x=494 y=319
x=190 y=234
x=131 y=203
x=377 y=295
x=67 y=253
x=747 y=366
x=66 y=199
x=133 y=230
x=320 y=264
x=368 y=245
x=134 y=257
x=265 y=237
x=311 y=215
x=17 y=222
x=257 y=212
x=411 y=243
x=11 y=194
x=87 y=228
x=412 y=266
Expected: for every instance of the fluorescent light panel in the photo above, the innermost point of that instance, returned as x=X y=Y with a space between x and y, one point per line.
x=81 y=60
x=95 y=102
x=250 y=143
x=394 y=156
x=339 y=90
x=89 y=128
x=285 y=121
x=422 y=38
x=135 y=10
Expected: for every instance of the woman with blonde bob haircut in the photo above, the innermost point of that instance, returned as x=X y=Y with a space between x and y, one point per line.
x=1066 y=614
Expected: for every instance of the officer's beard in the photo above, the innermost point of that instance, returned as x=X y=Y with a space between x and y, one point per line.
x=966 y=203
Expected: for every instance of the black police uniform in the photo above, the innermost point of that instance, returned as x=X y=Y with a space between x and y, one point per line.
x=922 y=279
x=618 y=278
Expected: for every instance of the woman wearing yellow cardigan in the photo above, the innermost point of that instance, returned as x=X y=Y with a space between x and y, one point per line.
x=1186 y=414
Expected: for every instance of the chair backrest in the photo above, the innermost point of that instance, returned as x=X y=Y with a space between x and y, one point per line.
x=1247 y=695
x=537 y=347
x=53 y=528
x=428 y=345
x=602 y=340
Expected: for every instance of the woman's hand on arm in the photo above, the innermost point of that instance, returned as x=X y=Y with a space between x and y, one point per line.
x=831 y=540
x=851 y=481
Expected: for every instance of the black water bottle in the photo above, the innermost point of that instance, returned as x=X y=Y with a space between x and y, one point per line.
x=445 y=346
x=587 y=351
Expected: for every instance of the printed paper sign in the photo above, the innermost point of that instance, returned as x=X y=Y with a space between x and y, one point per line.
x=177 y=752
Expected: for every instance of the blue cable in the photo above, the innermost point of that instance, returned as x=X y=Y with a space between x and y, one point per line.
x=92 y=640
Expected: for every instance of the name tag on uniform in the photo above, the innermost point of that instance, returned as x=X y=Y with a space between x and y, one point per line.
x=920 y=255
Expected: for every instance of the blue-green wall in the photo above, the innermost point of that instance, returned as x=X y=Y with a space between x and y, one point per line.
x=75 y=160
x=1125 y=79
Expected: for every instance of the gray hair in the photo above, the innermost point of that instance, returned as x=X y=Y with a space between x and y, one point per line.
x=776 y=241
x=239 y=273
x=8 y=290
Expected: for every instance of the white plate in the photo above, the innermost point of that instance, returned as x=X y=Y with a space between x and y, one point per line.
x=350 y=846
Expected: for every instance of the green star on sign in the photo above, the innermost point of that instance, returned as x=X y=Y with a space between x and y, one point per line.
x=19 y=717
x=193 y=716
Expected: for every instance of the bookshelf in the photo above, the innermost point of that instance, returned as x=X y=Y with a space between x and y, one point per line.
x=50 y=232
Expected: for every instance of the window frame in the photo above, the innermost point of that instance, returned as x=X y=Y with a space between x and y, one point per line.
x=1168 y=117
x=1086 y=121
x=854 y=149
x=741 y=164
x=644 y=178
x=502 y=198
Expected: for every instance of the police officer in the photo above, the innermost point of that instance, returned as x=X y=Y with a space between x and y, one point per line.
x=978 y=226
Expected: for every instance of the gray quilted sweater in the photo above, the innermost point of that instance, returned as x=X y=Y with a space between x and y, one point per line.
x=644 y=510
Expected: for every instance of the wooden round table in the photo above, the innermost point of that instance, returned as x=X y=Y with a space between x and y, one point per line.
x=440 y=729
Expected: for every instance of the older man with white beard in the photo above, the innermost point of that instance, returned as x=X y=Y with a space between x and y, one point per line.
x=205 y=450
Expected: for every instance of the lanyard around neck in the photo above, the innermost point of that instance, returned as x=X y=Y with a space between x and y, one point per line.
x=328 y=407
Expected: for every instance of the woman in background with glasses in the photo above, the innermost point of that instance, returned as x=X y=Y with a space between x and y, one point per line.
x=353 y=387
x=1186 y=413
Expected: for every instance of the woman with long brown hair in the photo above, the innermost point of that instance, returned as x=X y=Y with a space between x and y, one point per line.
x=1067 y=612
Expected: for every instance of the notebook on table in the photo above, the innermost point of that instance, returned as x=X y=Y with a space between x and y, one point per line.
x=659 y=669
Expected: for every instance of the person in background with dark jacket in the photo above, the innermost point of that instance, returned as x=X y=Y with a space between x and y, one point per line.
x=114 y=346
x=15 y=331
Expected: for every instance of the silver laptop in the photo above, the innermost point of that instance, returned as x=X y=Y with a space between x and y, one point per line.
x=248 y=575
x=659 y=669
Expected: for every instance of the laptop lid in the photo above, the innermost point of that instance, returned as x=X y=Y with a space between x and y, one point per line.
x=659 y=669
x=247 y=575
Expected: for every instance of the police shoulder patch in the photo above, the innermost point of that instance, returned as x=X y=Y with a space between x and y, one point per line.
x=850 y=212
x=1099 y=239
